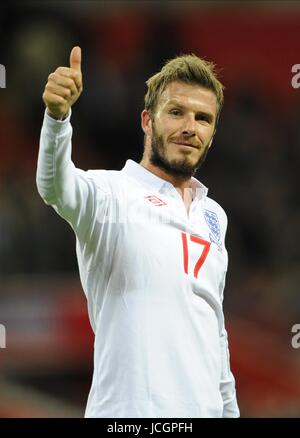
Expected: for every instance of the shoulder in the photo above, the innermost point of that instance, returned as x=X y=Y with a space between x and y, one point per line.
x=216 y=207
x=103 y=179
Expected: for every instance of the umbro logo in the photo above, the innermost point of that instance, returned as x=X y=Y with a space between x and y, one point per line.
x=155 y=200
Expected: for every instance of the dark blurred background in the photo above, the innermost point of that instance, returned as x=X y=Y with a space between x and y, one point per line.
x=252 y=171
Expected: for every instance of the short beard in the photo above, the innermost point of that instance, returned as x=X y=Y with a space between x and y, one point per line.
x=180 y=169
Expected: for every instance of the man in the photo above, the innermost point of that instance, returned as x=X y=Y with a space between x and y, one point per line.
x=150 y=248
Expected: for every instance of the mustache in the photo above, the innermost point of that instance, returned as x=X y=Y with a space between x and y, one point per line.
x=186 y=141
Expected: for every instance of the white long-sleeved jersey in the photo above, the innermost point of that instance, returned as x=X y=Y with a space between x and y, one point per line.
x=153 y=275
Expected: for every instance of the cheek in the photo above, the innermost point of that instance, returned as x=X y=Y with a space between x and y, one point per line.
x=171 y=130
x=162 y=132
x=205 y=134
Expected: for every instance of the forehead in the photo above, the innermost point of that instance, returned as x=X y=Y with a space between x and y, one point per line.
x=190 y=95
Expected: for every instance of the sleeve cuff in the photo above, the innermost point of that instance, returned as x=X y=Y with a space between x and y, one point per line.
x=57 y=126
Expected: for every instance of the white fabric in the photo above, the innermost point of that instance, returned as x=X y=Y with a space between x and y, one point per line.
x=160 y=343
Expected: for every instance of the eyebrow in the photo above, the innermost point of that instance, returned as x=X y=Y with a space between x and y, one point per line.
x=209 y=115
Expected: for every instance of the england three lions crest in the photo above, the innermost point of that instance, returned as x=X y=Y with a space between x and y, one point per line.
x=213 y=223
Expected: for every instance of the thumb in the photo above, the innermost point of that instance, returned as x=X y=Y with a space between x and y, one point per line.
x=75 y=59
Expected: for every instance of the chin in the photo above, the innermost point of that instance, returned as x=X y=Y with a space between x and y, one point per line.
x=186 y=158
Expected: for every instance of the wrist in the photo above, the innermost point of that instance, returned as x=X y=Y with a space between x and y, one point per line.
x=58 y=118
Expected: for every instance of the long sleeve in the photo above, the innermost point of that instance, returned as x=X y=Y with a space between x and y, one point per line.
x=59 y=183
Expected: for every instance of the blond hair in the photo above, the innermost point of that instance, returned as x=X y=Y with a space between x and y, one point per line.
x=189 y=69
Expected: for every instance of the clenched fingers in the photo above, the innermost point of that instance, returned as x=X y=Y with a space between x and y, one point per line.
x=62 y=85
x=72 y=74
x=53 y=99
x=64 y=92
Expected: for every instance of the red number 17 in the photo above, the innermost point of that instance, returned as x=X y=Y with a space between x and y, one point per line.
x=201 y=260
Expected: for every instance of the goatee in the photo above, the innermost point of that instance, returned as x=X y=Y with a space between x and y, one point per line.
x=181 y=169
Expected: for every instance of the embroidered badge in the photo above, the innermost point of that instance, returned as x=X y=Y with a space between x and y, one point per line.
x=213 y=223
x=155 y=200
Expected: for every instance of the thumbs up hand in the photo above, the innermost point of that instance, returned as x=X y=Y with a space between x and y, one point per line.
x=64 y=86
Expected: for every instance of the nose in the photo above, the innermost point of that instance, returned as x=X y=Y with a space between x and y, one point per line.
x=189 y=126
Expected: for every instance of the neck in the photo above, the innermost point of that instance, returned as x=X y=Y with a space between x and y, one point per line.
x=180 y=184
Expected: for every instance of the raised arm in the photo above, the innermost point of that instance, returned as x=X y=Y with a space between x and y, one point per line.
x=64 y=87
x=59 y=183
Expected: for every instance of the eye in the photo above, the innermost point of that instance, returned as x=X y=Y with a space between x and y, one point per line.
x=203 y=118
x=175 y=112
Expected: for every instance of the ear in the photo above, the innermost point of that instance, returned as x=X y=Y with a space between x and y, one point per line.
x=146 y=122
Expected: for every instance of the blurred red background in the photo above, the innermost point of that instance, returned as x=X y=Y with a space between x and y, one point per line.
x=252 y=171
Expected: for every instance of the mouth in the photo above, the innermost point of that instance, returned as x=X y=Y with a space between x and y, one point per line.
x=186 y=145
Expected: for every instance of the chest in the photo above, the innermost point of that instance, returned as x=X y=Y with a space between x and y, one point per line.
x=154 y=238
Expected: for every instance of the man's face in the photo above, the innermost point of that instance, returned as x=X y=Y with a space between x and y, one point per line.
x=182 y=128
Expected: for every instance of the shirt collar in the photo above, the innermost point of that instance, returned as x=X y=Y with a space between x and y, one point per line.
x=140 y=173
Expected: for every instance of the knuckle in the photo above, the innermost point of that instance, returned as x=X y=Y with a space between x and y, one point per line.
x=46 y=96
x=70 y=83
x=67 y=92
